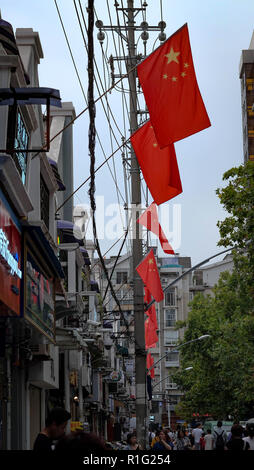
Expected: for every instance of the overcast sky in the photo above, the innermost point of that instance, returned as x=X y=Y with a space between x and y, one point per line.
x=219 y=30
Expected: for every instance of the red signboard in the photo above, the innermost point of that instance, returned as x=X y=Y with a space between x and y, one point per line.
x=10 y=264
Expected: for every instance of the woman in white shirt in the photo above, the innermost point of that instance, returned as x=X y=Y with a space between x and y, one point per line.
x=250 y=438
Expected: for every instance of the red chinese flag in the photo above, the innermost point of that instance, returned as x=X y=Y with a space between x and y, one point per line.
x=151 y=337
x=150 y=220
x=151 y=313
x=149 y=363
x=159 y=167
x=148 y=272
x=171 y=90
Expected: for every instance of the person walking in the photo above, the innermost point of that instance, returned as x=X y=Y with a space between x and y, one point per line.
x=132 y=443
x=237 y=442
x=56 y=423
x=163 y=444
x=197 y=433
x=182 y=442
x=209 y=440
x=220 y=437
x=250 y=435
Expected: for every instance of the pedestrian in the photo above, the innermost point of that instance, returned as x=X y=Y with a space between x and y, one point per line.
x=197 y=433
x=202 y=441
x=151 y=436
x=237 y=442
x=182 y=442
x=155 y=439
x=220 y=437
x=162 y=444
x=132 y=443
x=209 y=440
x=81 y=441
x=56 y=423
x=250 y=435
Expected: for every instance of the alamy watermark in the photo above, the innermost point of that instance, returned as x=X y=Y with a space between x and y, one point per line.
x=112 y=220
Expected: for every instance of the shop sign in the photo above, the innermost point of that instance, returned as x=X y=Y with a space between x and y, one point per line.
x=39 y=297
x=10 y=262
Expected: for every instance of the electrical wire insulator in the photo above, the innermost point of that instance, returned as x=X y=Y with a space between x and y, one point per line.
x=162 y=25
x=162 y=37
x=145 y=36
x=144 y=25
x=101 y=36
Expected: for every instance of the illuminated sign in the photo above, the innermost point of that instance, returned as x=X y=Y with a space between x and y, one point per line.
x=12 y=261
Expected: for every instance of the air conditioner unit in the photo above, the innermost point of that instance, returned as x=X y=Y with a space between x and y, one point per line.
x=41 y=351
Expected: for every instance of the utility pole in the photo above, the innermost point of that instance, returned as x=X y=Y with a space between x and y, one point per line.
x=139 y=333
x=131 y=61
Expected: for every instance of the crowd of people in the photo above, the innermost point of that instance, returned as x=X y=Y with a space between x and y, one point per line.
x=53 y=437
x=196 y=439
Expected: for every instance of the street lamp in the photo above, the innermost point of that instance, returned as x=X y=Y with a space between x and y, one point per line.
x=200 y=338
x=165 y=378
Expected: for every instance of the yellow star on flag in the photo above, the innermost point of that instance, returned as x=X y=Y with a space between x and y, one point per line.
x=155 y=145
x=186 y=65
x=183 y=74
x=174 y=79
x=172 y=56
x=150 y=261
x=165 y=76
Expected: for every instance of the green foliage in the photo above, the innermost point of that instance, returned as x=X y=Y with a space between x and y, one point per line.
x=221 y=382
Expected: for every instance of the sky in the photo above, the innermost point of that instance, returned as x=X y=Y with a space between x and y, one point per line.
x=219 y=30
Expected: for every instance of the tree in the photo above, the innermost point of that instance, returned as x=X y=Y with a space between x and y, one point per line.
x=221 y=382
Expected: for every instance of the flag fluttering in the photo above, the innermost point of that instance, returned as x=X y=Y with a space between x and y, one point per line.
x=148 y=272
x=171 y=91
x=149 y=363
x=151 y=337
x=150 y=220
x=151 y=312
x=159 y=166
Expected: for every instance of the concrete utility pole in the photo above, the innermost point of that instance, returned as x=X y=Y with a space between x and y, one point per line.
x=131 y=60
x=139 y=334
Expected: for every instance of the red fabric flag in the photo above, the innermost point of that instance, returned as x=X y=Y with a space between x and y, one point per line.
x=150 y=220
x=159 y=167
x=148 y=272
x=171 y=90
x=149 y=363
x=151 y=337
x=151 y=313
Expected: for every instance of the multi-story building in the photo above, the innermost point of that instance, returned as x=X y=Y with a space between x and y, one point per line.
x=31 y=274
x=173 y=308
x=247 y=95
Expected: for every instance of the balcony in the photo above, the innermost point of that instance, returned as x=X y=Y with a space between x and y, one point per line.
x=171 y=386
x=172 y=363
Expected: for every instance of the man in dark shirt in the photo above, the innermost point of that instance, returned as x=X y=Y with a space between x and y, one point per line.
x=236 y=442
x=56 y=423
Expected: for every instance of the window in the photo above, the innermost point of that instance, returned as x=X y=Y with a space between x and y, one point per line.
x=170 y=317
x=170 y=297
x=171 y=337
x=44 y=202
x=18 y=137
x=172 y=356
x=121 y=277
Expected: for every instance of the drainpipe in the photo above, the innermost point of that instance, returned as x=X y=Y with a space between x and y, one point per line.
x=8 y=406
x=67 y=387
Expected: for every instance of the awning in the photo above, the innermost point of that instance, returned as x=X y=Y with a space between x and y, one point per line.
x=29 y=95
x=58 y=179
x=94 y=286
x=68 y=229
x=44 y=247
x=85 y=256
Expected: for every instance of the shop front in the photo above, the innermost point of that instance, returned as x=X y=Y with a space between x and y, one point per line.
x=10 y=295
